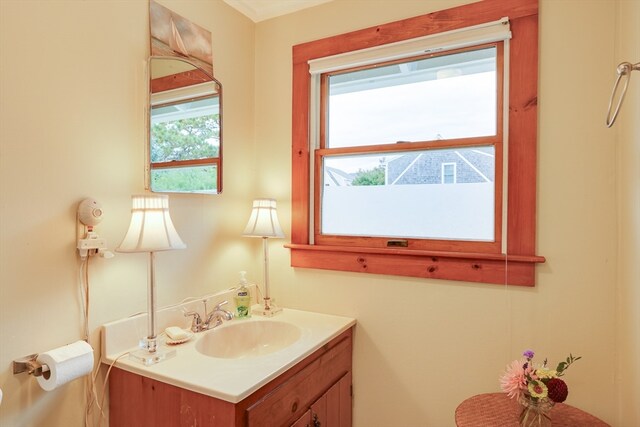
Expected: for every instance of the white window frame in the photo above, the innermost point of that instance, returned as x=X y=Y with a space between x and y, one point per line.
x=489 y=32
x=455 y=172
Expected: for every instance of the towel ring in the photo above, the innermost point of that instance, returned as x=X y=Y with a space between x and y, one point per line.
x=624 y=70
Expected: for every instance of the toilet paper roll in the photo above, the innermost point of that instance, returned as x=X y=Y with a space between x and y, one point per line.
x=65 y=364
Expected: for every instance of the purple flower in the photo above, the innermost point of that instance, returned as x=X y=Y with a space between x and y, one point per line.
x=528 y=354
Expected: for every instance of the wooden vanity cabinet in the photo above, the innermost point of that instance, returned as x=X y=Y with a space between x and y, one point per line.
x=332 y=409
x=315 y=392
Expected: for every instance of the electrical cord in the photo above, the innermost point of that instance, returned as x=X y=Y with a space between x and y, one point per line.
x=186 y=300
x=84 y=229
x=104 y=385
x=83 y=277
x=91 y=395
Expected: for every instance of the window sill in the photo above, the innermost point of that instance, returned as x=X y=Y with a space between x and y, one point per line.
x=518 y=270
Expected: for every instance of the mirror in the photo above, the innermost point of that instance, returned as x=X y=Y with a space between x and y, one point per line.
x=184 y=150
x=185 y=147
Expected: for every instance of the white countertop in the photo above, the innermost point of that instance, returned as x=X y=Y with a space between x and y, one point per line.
x=231 y=380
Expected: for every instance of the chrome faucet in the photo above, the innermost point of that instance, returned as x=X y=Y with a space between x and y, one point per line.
x=213 y=319
x=218 y=314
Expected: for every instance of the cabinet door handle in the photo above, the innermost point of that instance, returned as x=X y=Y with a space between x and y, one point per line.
x=316 y=421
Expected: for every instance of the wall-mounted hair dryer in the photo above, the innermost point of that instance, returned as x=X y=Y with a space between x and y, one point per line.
x=90 y=214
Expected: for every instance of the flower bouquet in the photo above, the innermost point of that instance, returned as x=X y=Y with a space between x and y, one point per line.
x=536 y=387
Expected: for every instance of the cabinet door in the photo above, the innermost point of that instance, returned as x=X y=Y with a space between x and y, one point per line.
x=333 y=409
x=304 y=421
x=287 y=402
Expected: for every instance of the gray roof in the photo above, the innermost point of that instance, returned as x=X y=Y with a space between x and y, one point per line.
x=337 y=177
x=425 y=167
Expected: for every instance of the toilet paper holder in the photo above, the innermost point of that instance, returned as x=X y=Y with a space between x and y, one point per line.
x=30 y=365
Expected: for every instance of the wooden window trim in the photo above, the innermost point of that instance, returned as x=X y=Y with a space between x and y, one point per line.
x=178 y=80
x=208 y=161
x=516 y=268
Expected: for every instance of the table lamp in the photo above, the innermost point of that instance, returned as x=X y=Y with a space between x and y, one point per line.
x=151 y=230
x=264 y=223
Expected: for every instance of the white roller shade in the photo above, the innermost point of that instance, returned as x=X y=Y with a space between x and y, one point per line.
x=454 y=39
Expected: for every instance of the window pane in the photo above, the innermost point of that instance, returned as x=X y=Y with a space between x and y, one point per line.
x=448 y=173
x=403 y=194
x=444 y=97
x=186 y=130
x=195 y=179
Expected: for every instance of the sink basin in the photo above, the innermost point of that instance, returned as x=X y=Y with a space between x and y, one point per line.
x=247 y=338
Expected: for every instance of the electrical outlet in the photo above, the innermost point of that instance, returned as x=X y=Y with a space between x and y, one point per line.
x=91 y=245
x=94 y=243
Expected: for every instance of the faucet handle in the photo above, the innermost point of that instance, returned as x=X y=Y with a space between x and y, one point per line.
x=196 y=323
x=219 y=305
x=216 y=316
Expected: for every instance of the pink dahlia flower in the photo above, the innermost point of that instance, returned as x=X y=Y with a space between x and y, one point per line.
x=513 y=381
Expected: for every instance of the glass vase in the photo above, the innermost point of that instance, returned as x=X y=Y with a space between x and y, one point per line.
x=535 y=412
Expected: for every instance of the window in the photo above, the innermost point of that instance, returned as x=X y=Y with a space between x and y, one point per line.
x=438 y=97
x=448 y=174
x=389 y=128
x=401 y=162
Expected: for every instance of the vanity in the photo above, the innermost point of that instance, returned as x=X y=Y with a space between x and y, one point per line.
x=294 y=369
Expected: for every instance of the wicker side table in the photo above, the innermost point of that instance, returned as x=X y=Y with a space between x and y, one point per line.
x=498 y=410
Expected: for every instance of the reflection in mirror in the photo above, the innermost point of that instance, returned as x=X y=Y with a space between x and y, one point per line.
x=184 y=153
x=185 y=128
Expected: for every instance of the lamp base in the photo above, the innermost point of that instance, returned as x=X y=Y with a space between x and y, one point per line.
x=151 y=352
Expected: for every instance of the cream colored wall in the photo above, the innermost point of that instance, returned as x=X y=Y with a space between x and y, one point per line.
x=627 y=130
x=424 y=346
x=72 y=126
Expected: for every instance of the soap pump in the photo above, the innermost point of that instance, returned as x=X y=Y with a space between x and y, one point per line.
x=243 y=298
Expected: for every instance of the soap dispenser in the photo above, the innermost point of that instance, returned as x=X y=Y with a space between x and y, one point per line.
x=243 y=298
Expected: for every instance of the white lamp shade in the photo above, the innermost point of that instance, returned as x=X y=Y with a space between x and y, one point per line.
x=151 y=228
x=264 y=220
